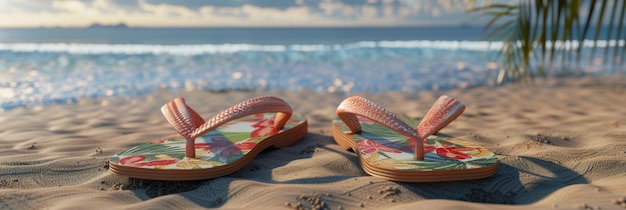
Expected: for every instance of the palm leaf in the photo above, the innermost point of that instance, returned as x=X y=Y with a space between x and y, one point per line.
x=608 y=35
x=543 y=32
x=619 y=32
x=598 y=27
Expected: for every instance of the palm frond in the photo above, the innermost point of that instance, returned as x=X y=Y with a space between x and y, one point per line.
x=598 y=27
x=538 y=34
x=608 y=35
x=620 y=25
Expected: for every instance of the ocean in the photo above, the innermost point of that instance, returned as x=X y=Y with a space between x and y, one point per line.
x=40 y=67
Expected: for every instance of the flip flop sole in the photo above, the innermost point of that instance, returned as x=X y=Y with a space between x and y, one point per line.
x=221 y=152
x=389 y=156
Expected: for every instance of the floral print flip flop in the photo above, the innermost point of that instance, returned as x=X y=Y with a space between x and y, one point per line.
x=216 y=147
x=407 y=150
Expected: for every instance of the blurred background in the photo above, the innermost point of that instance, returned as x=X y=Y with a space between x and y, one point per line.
x=233 y=13
x=57 y=51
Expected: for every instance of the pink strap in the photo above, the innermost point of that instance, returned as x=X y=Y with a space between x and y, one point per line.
x=444 y=111
x=356 y=105
x=190 y=125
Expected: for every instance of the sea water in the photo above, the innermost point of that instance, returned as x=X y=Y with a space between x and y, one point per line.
x=40 y=67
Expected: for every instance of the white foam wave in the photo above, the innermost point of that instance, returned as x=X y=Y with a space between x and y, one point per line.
x=77 y=48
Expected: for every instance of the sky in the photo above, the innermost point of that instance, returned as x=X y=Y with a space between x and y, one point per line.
x=235 y=13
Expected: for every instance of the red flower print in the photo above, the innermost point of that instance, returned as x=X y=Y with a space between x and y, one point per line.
x=202 y=146
x=132 y=160
x=449 y=152
x=159 y=162
x=453 y=153
x=263 y=128
x=368 y=146
x=138 y=160
x=444 y=151
x=246 y=145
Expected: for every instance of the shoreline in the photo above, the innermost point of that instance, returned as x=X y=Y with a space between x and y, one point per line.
x=560 y=144
x=605 y=80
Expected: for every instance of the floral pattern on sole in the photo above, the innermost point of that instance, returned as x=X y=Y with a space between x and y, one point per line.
x=218 y=147
x=384 y=148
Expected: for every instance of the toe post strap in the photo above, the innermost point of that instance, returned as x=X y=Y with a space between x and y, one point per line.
x=190 y=124
x=444 y=111
x=181 y=117
x=356 y=105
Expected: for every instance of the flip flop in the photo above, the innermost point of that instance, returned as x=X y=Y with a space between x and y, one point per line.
x=216 y=147
x=389 y=147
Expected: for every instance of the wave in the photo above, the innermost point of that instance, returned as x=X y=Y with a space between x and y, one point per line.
x=199 y=49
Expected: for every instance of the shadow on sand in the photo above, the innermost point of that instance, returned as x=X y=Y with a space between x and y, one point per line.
x=506 y=187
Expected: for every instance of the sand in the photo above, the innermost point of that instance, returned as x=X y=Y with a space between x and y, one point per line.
x=561 y=145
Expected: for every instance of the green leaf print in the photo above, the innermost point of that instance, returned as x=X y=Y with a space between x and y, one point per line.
x=410 y=121
x=147 y=149
x=230 y=136
x=375 y=131
x=114 y=159
x=384 y=155
x=235 y=136
x=484 y=161
x=425 y=165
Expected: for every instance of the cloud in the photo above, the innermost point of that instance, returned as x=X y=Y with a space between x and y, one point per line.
x=235 y=13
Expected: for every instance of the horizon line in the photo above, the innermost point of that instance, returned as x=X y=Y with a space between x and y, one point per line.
x=125 y=26
x=245 y=27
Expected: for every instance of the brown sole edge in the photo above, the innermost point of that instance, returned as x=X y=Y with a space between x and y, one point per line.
x=281 y=140
x=346 y=142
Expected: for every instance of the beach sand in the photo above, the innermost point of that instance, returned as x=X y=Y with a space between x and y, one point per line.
x=560 y=144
